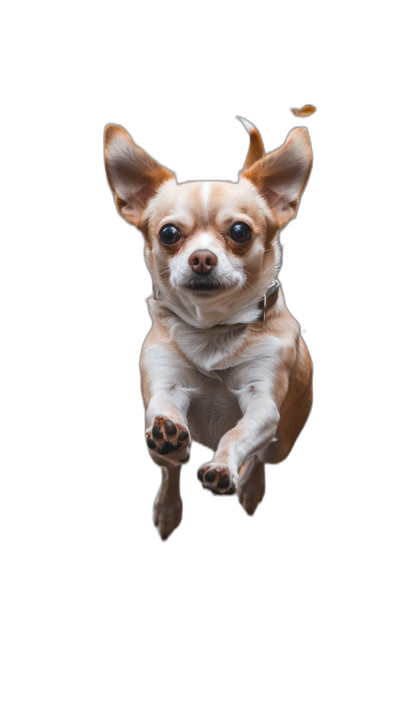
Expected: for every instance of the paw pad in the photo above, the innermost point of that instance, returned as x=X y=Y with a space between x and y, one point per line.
x=166 y=437
x=216 y=478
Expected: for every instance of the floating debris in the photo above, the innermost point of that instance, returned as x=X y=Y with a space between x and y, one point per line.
x=305 y=111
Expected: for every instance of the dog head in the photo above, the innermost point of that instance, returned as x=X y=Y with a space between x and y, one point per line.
x=210 y=245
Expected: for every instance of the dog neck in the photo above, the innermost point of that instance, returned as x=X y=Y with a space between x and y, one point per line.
x=216 y=346
x=208 y=317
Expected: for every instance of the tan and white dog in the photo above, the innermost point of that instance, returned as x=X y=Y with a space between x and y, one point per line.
x=224 y=362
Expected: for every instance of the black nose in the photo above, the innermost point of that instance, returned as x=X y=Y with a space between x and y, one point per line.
x=203 y=261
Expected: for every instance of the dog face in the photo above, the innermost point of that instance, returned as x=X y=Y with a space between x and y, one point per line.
x=210 y=243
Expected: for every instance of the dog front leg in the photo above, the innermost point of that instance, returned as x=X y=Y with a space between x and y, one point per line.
x=251 y=435
x=167 y=388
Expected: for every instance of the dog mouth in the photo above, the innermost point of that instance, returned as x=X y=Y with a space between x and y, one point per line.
x=204 y=284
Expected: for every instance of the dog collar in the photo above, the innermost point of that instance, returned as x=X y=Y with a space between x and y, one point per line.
x=268 y=299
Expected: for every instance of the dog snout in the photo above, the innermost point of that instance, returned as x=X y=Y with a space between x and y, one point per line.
x=203 y=261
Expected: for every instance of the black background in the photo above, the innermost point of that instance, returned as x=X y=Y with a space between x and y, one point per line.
x=190 y=127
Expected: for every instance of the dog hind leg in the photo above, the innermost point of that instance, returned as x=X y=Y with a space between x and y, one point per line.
x=251 y=488
x=167 y=509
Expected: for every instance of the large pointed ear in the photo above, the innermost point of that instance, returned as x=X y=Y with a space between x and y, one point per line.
x=281 y=177
x=133 y=175
x=256 y=149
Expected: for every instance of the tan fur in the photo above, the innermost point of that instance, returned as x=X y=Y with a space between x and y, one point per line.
x=211 y=370
x=256 y=149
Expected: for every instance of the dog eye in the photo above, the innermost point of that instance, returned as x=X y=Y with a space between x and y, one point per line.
x=169 y=234
x=240 y=232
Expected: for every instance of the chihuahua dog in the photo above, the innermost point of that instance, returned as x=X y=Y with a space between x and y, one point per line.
x=224 y=362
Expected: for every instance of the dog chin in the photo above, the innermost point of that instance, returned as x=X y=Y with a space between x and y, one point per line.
x=205 y=286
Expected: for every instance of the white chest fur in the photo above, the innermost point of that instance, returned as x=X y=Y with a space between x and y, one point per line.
x=208 y=349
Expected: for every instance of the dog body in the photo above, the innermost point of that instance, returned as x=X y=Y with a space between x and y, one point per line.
x=222 y=364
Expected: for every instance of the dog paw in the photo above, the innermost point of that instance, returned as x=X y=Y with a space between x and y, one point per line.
x=169 y=439
x=250 y=497
x=167 y=517
x=218 y=478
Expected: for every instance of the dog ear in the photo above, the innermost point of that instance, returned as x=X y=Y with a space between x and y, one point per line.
x=133 y=175
x=281 y=177
x=256 y=149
